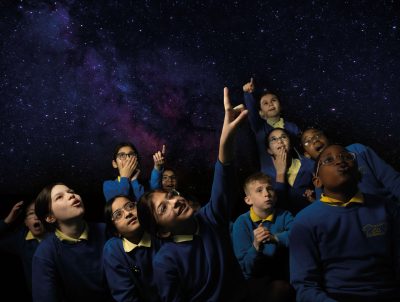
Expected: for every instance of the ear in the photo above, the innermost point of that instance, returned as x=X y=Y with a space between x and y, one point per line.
x=317 y=182
x=114 y=164
x=50 y=218
x=247 y=200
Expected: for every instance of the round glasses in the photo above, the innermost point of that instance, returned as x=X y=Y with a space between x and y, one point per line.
x=123 y=156
x=331 y=159
x=118 y=213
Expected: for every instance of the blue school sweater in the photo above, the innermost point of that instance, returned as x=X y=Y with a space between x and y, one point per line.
x=63 y=271
x=123 y=186
x=261 y=129
x=14 y=242
x=346 y=251
x=205 y=268
x=292 y=198
x=130 y=275
x=261 y=263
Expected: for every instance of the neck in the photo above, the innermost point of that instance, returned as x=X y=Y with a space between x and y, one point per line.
x=73 y=229
x=263 y=213
x=189 y=227
x=136 y=236
x=343 y=195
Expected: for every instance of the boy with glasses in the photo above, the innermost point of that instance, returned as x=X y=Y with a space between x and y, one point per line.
x=128 y=256
x=126 y=160
x=377 y=177
x=346 y=245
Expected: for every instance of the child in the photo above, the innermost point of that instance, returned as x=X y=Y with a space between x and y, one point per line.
x=197 y=263
x=25 y=241
x=67 y=265
x=168 y=180
x=377 y=177
x=261 y=239
x=292 y=177
x=263 y=117
x=345 y=246
x=127 y=258
x=126 y=160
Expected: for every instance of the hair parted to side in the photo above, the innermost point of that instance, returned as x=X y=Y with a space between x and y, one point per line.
x=146 y=212
x=258 y=176
x=124 y=144
x=43 y=206
x=110 y=226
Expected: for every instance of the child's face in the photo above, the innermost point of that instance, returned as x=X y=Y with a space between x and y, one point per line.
x=337 y=169
x=65 y=204
x=270 y=106
x=123 y=156
x=32 y=222
x=168 y=180
x=124 y=216
x=260 y=195
x=170 y=212
x=278 y=140
x=314 y=142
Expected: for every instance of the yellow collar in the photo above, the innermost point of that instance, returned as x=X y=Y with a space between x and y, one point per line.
x=278 y=124
x=254 y=217
x=130 y=246
x=64 y=237
x=30 y=236
x=293 y=171
x=358 y=198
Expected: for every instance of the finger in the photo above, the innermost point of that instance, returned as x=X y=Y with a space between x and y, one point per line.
x=239 y=108
x=239 y=118
x=163 y=149
x=251 y=81
x=227 y=101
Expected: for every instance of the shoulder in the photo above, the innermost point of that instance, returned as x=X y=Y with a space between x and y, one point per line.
x=357 y=148
x=243 y=218
x=112 y=244
x=311 y=213
x=47 y=246
x=282 y=213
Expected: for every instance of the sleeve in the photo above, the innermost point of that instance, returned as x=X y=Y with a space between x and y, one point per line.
x=245 y=252
x=138 y=189
x=155 y=179
x=167 y=281
x=387 y=176
x=218 y=209
x=112 y=188
x=283 y=237
x=256 y=122
x=45 y=282
x=118 y=275
x=305 y=271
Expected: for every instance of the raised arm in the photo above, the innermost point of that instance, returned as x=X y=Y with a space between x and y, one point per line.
x=256 y=122
x=156 y=173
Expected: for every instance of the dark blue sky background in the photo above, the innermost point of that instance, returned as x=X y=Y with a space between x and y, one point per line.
x=77 y=77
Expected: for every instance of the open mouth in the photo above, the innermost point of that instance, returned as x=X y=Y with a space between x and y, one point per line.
x=319 y=148
x=37 y=225
x=182 y=209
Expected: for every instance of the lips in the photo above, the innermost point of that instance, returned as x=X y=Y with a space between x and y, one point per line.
x=76 y=203
x=37 y=225
x=319 y=147
x=181 y=209
x=133 y=220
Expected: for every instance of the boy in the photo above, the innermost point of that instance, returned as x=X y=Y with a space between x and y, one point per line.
x=261 y=237
x=197 y=263
x=377 y=177
x=345 y=246
x=126 y=160
x=263 y=117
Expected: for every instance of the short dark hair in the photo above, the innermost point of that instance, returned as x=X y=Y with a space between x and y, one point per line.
x=258 y=176
x=43 y=206
x=124 y=144
x=145 y=211
x=274 y=129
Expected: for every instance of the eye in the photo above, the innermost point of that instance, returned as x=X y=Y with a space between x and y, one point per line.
x=162 y=208
x=328 y=160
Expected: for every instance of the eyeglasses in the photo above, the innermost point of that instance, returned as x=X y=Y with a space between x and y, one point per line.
x=171 y=194
x=123 y=156
x=313 y=139
x=331 y=159
x=166 y=177
x=118 y=214
x=274 y=140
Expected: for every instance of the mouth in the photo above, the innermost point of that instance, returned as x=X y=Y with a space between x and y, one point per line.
x=132 y=221
x=76 y=203
x=343 y=169
x=182 y=209
x=319 y=147
x=37 y=225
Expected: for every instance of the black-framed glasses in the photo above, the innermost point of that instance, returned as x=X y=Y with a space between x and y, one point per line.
x=331 y=159
x=123 y=156
x=118 y=213
x=171 y=194
x=313 y=139
x=274 y=139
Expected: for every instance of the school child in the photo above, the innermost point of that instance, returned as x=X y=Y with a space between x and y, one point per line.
x=23 y=241
x=292 y=177
x=127 y=257
x=168 y=180
x=261 y=239
x=126 y=160
x=377 y=177
x=196 y=263
x=67 y=265
x=346 y=245
x=264 y=116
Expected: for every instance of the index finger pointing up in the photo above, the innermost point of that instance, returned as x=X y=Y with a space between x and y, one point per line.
x=227 y=102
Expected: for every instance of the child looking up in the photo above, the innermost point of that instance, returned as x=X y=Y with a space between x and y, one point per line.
x=197 y=263
x=128 y=256
x=264 y=116
x=126 y=160
x=346 y=245
x=261 y=239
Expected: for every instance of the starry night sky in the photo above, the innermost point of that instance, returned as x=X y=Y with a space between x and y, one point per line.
x=77 y=77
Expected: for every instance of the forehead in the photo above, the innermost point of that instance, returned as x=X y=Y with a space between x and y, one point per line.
x=277 y=132
x=126 y=149
x=269 y=97
x=57 y=189
x=168 y=173
x=309 y=133
x=157 y=198
x=119 y=202
x=334 y=149
x=30 y=208
x=257 y=183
